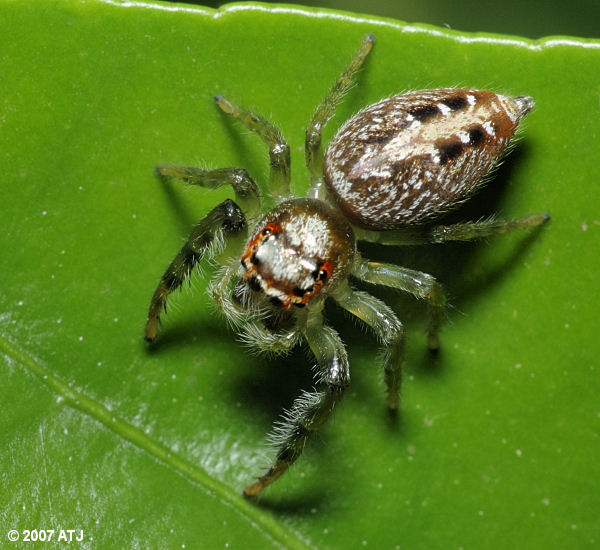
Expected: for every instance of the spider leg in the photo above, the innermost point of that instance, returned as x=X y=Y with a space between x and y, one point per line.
x=312 y=149
x=311 y=409
x=257 y=337
x=457 y=232
x=279 y=150
x=246 y=190
x=388 y=329
x=421 y=285
x=224 y=220
x=221 y=291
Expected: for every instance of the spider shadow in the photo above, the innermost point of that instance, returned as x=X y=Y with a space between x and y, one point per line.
x=245 y=144
x=268 y=386
x=183 y=212
x=451 y=262
x=192 y=333
x=261 y=384
x=259 y=381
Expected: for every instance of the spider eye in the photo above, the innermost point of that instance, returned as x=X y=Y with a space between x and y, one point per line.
x=323 y=272
x=269 y=229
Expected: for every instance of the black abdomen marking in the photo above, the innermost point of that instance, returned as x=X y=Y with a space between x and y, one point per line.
x=410 y=158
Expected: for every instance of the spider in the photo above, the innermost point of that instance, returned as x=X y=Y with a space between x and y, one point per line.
x=396 y=165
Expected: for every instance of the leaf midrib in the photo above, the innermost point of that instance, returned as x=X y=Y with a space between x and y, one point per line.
x=258 y=519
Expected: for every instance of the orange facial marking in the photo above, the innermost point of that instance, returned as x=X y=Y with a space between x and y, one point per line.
x=327 y=268
x=282 y=288
x=269 y=229
x=321 y=275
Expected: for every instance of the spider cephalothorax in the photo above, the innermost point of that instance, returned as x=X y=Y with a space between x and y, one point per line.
x=299 y=248
x=402 y=161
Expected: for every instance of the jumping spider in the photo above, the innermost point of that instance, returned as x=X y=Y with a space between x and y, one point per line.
x=394 y=166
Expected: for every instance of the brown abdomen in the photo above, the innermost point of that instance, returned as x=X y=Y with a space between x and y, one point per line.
x=409 y=158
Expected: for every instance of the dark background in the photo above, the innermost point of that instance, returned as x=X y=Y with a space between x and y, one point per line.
x=533 y=19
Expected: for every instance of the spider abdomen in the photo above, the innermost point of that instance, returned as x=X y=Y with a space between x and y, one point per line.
x=409 y=158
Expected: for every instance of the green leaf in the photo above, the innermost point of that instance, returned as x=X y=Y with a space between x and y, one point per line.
x=497 y=444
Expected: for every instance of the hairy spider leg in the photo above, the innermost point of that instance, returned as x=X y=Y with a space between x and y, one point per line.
x=222 y=221
x=311 y=409
x=312 y=149
x=221 y=292
x=421 y=285
x=456 y=232
x=256 y=336
x=248 y=322
x=388 y=329
x=279 y=150
x=246 y=190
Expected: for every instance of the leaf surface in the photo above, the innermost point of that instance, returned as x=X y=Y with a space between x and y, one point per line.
x=497 y=443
